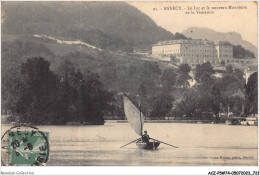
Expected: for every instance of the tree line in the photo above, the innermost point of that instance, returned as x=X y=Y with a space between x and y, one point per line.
x=206 y=100
x=36 y=95
x=212 y=96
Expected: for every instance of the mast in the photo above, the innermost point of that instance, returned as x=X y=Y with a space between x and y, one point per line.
x=141 y=117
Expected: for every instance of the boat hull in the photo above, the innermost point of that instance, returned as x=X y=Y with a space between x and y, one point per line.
x=148 y=146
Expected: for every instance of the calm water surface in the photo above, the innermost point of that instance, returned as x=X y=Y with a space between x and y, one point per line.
x=199 y=145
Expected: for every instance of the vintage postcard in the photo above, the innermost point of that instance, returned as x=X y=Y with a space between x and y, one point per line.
x=129 y=83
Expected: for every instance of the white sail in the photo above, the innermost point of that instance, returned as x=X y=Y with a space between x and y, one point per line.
x=133 y=115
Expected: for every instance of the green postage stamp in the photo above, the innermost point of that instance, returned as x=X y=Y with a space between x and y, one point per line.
x=26 y=146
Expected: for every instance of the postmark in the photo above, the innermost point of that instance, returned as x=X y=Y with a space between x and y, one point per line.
x=25 y=146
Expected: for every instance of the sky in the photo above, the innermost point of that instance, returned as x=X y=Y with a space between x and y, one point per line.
x=243 y=21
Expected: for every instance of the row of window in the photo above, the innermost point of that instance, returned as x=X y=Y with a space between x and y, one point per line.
x=225 y=55
x=178 y=54
x=198 y=46
x=201 y=61
x=198 y=55
x=225 y=50
x=238 y=61
x=178 y=50
x=216 y=61
x=195 y=46
x=206 y=51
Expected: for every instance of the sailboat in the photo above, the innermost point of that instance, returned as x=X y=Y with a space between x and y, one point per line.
x=136 y=120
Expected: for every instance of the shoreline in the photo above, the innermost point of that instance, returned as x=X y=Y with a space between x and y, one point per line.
x=146 y=121
x=170 y=121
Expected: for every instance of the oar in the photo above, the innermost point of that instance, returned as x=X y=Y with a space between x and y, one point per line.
x=164 y=143
x=130 y=143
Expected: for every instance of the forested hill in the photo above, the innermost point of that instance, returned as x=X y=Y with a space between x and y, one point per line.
x=108 y=25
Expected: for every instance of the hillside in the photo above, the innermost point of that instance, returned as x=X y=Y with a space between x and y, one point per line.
x=108 y=25
x=118 y=71
x=112 y=29
x=209 y=34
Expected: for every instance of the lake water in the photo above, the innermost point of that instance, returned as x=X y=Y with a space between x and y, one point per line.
x=199 y=145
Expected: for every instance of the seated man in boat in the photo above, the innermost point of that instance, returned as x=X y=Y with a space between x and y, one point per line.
x=145 y=137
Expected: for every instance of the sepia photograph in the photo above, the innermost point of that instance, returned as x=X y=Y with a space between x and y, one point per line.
x=129 y=83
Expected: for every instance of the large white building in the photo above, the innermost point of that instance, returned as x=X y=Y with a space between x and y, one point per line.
x=193 y=51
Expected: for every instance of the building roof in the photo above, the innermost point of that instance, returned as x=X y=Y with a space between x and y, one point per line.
x=191 y=41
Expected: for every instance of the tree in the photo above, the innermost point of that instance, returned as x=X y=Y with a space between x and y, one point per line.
x=161 y=105
x=12 y=87
x=35 y=104
x=142 y=90
x=168 y=79
x=217 y=99
x=239 y=75
x=38 y=96
x=251 y=90
x=184 y=68
x=188 y=104
x=67 y=92
x=229 y=69
x=231 y=81
x=183 y=75
x=204 y=73
x=240 y=52
x=204 y=106
x=236 y=105
x=94 y=99
x=83 y=97
x=204 y=77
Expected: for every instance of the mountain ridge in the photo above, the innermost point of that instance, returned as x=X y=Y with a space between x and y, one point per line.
x=109 y=25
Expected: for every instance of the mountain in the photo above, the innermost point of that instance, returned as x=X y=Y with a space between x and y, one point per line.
x=51 y=29
x=209 y=34
x=108 y=25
